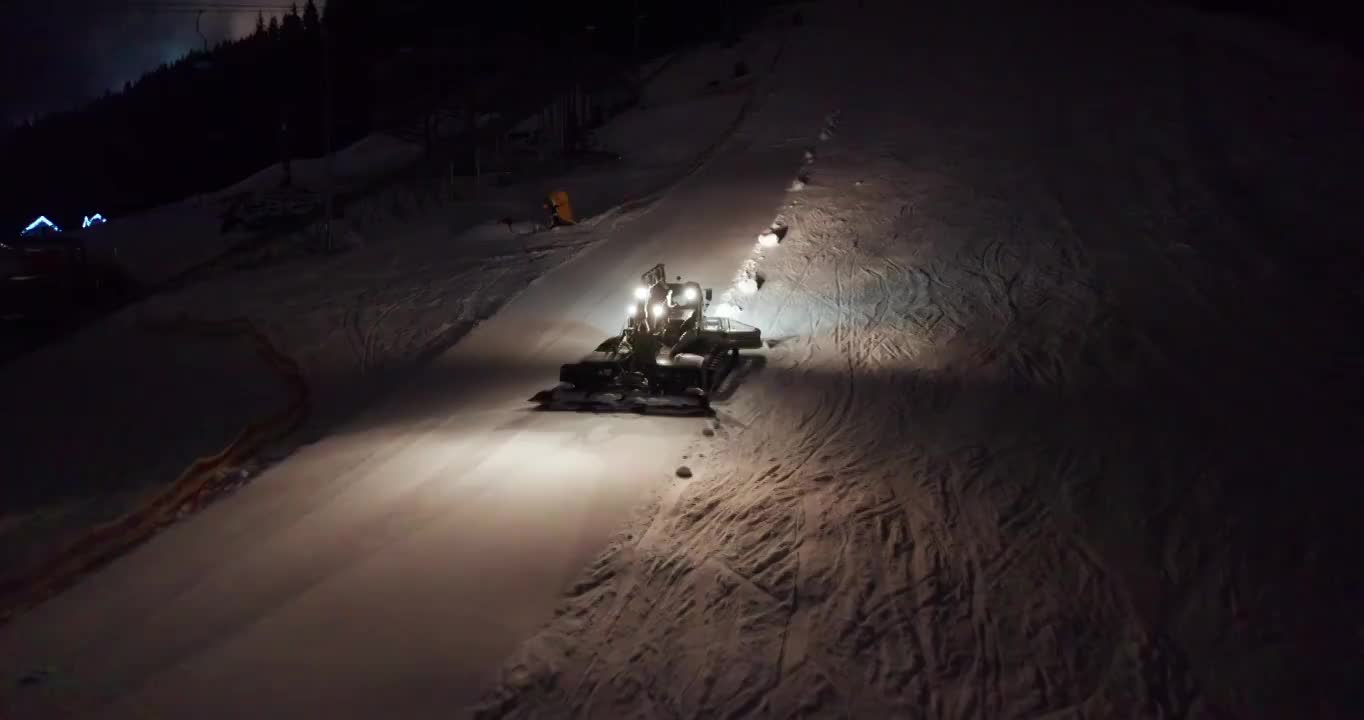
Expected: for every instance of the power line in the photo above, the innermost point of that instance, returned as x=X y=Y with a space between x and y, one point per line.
x=187 y=8
x=206 y=6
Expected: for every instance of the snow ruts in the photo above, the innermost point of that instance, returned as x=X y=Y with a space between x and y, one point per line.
x=1001 y=460
x=198 y=484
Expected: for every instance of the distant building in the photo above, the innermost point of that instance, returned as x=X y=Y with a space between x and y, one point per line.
x=39 y=227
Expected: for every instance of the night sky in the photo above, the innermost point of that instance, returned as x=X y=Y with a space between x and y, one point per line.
x=74 y=50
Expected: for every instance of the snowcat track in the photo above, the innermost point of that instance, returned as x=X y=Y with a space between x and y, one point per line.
x=717 y=368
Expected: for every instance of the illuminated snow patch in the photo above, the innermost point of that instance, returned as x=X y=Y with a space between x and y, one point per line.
x=768 y=239
x=726 y=310
x=747 y=280
x=95 y=219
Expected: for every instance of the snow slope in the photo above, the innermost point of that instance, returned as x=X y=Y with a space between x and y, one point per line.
x=370 y=157
x=1061 y=415
x=96 y=423
x=681 y=113
x=421 y=270
x=424 y=268
x=387 y=568
x=160 y=244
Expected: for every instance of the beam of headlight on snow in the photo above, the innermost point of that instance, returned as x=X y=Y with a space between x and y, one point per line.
x=725 y=310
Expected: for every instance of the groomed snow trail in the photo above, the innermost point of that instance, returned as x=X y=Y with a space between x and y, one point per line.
x=1057 y=418
x=386 y=569
x=426 y=262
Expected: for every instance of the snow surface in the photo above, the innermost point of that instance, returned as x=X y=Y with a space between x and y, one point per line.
x=422 y=269
x=373 y=156
x=1060 y=414
x=1058 y=419
x=427 y=269
x=681 y=113
x=160 y=244
x=407 y=552
x=93 y=420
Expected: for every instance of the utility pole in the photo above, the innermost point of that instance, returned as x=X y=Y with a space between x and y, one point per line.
x=634 y=46
x=198 y=16
x=469 y=74
x=329 y=203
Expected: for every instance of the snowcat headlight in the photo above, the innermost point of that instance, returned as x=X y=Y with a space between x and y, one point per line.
x=658 y=310
x=689 y=294
x=641 y=293
x=630 y=310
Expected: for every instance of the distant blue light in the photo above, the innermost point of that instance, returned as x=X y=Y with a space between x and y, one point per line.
x=95 y=219
x=42 y=220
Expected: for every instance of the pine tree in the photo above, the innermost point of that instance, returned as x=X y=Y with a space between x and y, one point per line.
x=260 y=23
x=292 y=22
x=352 y=19
x=311 y=21
x=273 y=27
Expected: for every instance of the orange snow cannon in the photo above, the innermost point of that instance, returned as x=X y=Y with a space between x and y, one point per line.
x=561 y=208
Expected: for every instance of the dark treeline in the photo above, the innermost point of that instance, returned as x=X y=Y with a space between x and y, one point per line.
x=1327 y=21
x=215 y=117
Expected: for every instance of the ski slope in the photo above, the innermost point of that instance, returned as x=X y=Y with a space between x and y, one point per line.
x=388 y=567
x=1059 y=419
x=421 y=266
x=1062 y=418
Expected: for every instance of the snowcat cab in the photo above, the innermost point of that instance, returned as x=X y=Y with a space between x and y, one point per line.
x=668 y=354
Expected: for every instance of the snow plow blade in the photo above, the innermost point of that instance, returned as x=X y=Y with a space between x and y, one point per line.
x=617 y=400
